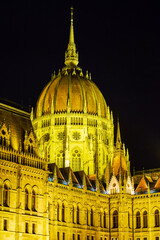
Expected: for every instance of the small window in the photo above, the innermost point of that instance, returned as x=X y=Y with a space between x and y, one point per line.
x=78 y=237
x=92 y=238
x=5 y=195
x=115 y=219
x=63 y=213
x=26 y=199
x=58 y=236
x=5 y=226
x=26 y=227
x=105 y=225
x=33 y=201
x=57 y=211
x=92 y=214
x=157 y=238
x=145 y=220
x=87 y=237
x=138 y=220
x=73 y=236
x=33 y=228
x=78 y=215
x=63 y=236
x=156 y=216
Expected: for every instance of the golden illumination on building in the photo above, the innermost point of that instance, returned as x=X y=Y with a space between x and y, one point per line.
x=61 y=175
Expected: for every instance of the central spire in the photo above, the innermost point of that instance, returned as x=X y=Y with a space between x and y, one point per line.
x=71 y=56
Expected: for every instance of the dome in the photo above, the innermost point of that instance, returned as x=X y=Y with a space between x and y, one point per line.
x=70 y=91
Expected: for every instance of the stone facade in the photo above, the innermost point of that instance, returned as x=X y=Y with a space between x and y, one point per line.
x=61 y=175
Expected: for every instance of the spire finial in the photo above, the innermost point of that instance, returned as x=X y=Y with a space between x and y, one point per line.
x=71 y=56
x=118 y=141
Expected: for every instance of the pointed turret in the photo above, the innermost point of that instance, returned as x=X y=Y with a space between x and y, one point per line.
x=119 y=162
x=118 y=140
x=71 y=56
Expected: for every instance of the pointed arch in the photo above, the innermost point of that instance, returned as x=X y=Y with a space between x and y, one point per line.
x=145 y=219
x=60 y=158
x=115 y=219
x=138 y=220
x=156 y=218
x=76 y=155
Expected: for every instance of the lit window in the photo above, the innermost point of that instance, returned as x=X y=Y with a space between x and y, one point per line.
x=115 y=219
x=156 y=215
x=138 y=220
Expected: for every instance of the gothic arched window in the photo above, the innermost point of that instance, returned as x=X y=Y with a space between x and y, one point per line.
x=58 y=212
x=78 y=222
x=26 y=199
x=115 y=219
x=156 y=217
x=92 y=216
x=60 y=158
x=76 y=160
x=145 y=219
x=105 y=220
x=33 y=201
x=63 y=212
x=6 y=196
x=138 y=220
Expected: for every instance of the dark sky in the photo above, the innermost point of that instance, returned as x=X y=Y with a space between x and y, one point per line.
x=118 y=42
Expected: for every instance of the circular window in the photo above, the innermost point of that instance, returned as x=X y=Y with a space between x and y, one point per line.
x=60 y=135
x=76 y=135
x=114 y=184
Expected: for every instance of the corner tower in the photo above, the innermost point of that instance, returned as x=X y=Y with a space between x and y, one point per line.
x=72 y=122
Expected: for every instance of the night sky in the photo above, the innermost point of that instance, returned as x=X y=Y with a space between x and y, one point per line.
x=118 y=43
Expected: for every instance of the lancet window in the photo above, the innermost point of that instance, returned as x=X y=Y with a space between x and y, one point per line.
x=76 y=160
x=6 y=196
x=26 y=199
x=115 y=219
x=156 y=217
x=145 y=219
x=138 y=220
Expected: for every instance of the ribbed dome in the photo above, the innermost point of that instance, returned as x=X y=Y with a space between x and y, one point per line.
x=70 y=91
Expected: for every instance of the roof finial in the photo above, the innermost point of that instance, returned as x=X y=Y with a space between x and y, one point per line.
x=118 y=140
x=71 y=56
